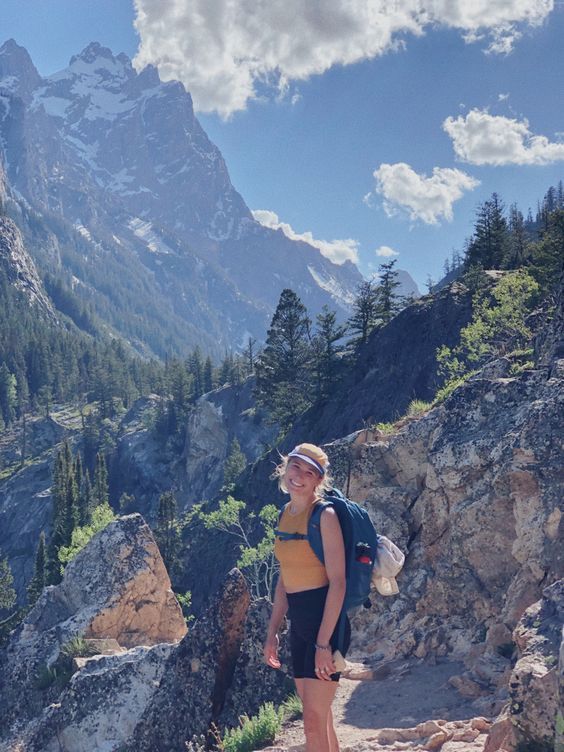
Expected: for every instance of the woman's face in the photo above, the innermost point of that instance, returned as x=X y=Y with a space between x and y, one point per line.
x=301 y=478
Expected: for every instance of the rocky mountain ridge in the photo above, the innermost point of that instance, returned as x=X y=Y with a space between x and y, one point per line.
x=471 y=493
x=119 y=158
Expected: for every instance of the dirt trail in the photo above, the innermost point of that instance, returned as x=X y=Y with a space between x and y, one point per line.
x=406 y=706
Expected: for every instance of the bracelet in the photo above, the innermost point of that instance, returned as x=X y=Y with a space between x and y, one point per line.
x=322 y=647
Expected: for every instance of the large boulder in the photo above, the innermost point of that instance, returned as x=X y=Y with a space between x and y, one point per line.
x=192 y=692
x=215 y=675
x=116 y=587
x=102 y=704
x=253 y=682
x=534 y=684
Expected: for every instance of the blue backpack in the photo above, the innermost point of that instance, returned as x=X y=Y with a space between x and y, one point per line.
x=361 y=542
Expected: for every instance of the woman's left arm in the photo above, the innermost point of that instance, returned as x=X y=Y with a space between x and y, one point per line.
x=334 y=555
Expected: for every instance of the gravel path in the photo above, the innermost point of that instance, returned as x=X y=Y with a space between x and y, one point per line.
x=405 y=705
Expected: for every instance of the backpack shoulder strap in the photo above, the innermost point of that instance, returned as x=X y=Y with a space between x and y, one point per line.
x=284 y=536
x=314 y=529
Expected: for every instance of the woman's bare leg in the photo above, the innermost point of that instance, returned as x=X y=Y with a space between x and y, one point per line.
x=333 y=741
x=317 y=696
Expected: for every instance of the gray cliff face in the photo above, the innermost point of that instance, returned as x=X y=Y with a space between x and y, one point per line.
x=218 y=418
x=120 y=157
x=472 y=493
x=20 y=269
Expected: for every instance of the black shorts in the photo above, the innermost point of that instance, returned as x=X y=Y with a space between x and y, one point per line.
x=305 y=611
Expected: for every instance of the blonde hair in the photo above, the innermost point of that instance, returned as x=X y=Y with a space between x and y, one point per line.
x=325 y=482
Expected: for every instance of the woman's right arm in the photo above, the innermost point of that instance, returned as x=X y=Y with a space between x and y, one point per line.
x=279 y=608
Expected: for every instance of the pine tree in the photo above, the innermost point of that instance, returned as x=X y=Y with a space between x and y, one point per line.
x=38 y=581
x=208 y=375
x=167 y=533
x=548 y=253
x=234 y=465
x=197 y=370
x=388 y=302
x=225 y=370
x=327 y=354
x=86 y=500
x=79 y=480
x=489 y=244
x=250 y=355
x=8 y=395
x=100 y=490
x=64 y=491
x=365 y=311
x=71 y=510
x=283 y=371
x=58 y=534
x=7 y=592
x=517 y=249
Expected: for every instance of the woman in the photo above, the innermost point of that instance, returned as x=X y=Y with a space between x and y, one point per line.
x=311 y=592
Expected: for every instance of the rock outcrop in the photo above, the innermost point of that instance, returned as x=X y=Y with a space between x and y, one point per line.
x=117 y=587
x=20 y=268
x=25 y=497
x=219 y=417
x=102 y=704
x=472 y=493
x=534 y=697
x=214 y=675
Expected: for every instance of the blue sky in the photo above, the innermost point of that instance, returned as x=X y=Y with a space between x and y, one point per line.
x=308 y=99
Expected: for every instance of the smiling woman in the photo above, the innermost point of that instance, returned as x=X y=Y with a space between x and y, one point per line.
x=310 y=592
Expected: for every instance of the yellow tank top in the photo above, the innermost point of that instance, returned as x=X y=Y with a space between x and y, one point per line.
x=300 y=568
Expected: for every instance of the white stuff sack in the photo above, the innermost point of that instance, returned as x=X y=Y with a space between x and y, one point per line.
x=389 y=562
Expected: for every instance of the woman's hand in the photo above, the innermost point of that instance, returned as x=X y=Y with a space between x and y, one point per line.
x=324 y=665
x=270 y=652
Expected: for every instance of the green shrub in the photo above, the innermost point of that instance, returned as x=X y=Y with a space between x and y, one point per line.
x=185 y=600
x=418 y=407
x=102 y=515
x=450 y=387
x=291 y=708
x=255 y=732
x=62 y=670
x=76 y=646
x=386 y=428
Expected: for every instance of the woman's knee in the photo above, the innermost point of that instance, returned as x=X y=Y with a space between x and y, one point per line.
x=315 y=719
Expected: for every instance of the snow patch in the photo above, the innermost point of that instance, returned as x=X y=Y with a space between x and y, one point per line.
x=333 y=287
x=53 y=106
x=145 y=232
x=9 y=83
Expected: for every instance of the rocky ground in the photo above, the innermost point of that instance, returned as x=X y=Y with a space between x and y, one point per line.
x=401 y=705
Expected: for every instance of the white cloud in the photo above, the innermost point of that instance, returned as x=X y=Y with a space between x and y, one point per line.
x=225 y=51
x=386 y=251
x=480 y=138
x=429 y=199
x=337 y=251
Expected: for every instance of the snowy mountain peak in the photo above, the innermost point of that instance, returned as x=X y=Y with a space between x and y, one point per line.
x=18 y=74
x=99 y=64
x=91 y=53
